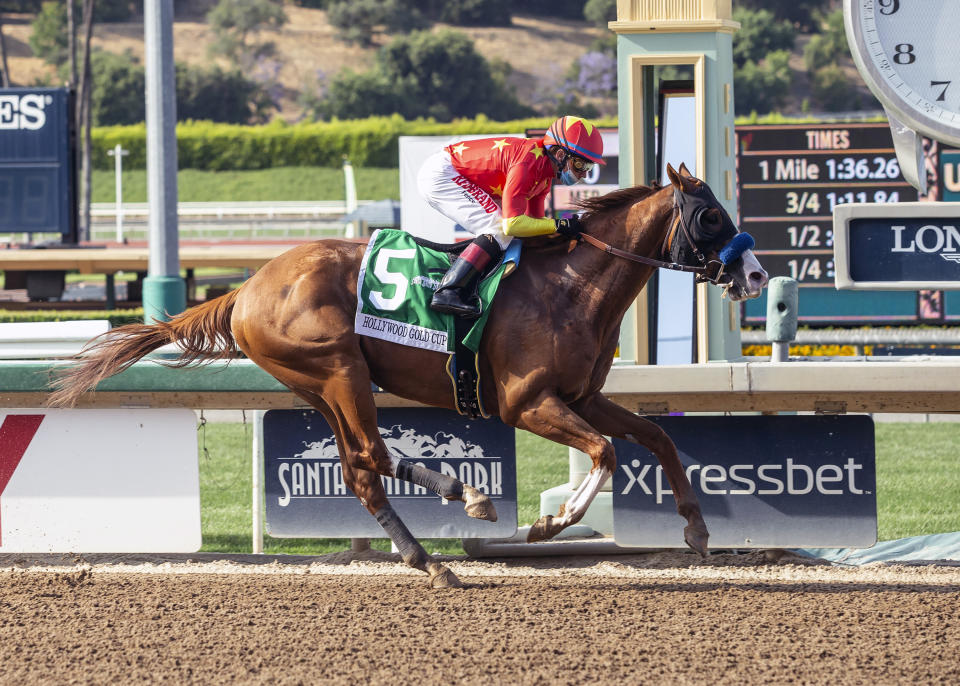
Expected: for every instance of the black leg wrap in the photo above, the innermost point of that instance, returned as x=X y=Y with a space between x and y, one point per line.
x=411 y=551
x=444 y=486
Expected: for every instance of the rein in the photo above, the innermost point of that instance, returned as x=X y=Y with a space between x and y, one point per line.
x=597 y=243
x=710 y=271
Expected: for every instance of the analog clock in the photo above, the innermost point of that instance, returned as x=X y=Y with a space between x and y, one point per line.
x=908 y=52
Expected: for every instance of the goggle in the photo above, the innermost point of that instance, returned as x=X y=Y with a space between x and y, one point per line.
x=581 y=165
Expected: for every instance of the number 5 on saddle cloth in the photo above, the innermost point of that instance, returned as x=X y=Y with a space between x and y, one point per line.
x=398 y=276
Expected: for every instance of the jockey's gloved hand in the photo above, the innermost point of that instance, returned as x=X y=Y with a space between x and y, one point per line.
x=570 y=226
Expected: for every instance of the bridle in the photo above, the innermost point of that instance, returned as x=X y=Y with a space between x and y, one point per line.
x=707 y=272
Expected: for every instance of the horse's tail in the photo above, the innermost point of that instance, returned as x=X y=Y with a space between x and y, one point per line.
x=203 y=332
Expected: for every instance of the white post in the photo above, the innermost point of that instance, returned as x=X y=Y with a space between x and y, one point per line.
x=350 y=191
x=117 y=153
x=256 y=481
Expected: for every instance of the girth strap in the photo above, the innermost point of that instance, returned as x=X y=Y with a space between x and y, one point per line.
x=462 y=368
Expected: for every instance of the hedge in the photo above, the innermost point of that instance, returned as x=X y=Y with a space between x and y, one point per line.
x=116 y=317
x=368 y=142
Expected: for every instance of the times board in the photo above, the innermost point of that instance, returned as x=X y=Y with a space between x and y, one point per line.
x=789 y=180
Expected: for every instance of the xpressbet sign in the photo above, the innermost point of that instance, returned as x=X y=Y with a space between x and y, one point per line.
x=899 y=246
x=762 y=482
x=306 y=495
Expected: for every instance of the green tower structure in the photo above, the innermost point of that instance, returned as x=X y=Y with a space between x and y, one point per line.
x=696 y=35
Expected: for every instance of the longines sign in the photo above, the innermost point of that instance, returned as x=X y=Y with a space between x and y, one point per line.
x=899 y=246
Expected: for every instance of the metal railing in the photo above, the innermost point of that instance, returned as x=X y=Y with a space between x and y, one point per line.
x=220 y=210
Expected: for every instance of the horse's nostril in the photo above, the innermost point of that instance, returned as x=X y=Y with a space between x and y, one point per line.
x=759 y=278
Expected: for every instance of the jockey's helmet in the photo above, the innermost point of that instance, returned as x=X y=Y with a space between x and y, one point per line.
x=577 y=136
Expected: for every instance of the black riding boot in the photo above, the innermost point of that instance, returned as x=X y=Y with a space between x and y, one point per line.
x=457 y=293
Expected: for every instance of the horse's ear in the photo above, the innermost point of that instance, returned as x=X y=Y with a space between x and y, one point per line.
x=684 y=171
x=674 y=176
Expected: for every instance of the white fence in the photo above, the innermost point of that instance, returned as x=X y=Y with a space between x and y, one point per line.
x=44 y=340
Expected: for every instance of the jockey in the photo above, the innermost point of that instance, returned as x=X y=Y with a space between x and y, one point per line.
x=495 y=188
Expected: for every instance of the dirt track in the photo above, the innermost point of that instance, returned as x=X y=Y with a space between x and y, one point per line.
x=665 y=618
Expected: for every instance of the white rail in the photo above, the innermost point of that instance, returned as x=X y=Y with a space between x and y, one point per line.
x=220 y=210
x=42 y=340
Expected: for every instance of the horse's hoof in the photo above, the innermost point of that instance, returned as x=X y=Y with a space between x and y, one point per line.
x=478 y=505
x=441 y=577
x=696 y=536
x=544 y=528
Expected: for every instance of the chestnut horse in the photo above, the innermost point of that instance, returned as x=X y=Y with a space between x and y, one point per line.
x=545 y=354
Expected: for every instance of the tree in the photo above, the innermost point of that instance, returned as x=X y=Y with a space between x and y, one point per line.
x=425 y=74
x=829 y=46
x=4 y=70
x=760 y=34
x=831 y=90
x=118 y=88
x=49 y=37
x=560 y=9
x=357 y=21
x=85 y=126
x=117 y=10
x=234 y=21
x=475 y=12
x=211 y=94
x=600 y=12
x=801 y=14
x=762 y=86
x=218 y=95
x=445 y=76
x=354 y=96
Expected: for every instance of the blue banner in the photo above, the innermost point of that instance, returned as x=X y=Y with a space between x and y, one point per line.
x=36 y=161
x=306 y=495
x=762 y=481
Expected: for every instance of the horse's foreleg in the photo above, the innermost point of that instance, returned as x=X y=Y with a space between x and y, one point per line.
x=612 y=420
x=363 y=458
x=550 y=418
x=369 y=489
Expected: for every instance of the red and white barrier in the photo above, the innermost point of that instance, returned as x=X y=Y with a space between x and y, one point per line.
x=99 y=481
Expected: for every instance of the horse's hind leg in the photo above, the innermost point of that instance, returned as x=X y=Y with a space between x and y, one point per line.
x=475 y=503
x=364 y=456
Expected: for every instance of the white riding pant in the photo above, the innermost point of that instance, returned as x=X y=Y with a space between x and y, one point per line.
x=460 y=199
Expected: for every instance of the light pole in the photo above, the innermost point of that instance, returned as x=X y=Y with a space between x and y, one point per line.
x=164 y=291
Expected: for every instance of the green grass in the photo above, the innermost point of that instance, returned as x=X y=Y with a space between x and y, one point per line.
x=281 y=183
x=918 y=483
x=918 y=486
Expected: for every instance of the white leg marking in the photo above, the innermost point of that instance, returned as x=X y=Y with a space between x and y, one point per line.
x=394 y=461
x=584 y=495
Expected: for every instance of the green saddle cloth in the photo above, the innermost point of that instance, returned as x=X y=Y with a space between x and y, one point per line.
x=396 y=282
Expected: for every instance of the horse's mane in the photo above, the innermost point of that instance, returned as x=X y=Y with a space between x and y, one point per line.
x=616 y=199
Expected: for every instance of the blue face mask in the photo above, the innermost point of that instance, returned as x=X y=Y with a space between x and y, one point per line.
x=568 y=178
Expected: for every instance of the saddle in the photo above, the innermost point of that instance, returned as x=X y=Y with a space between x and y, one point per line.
x=396 y=280
x=463 y=366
